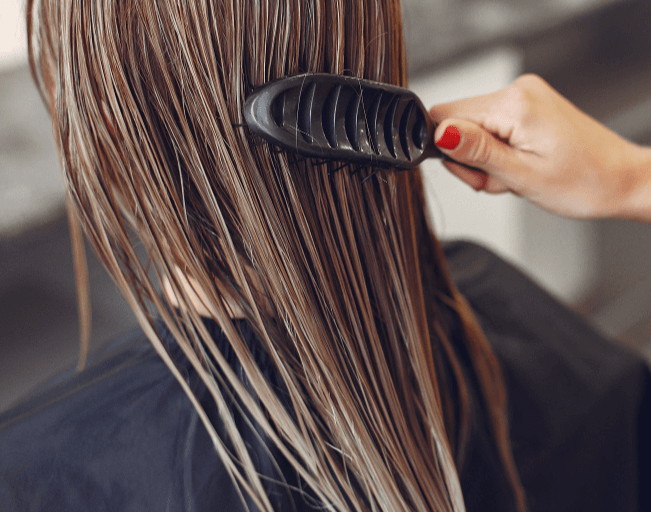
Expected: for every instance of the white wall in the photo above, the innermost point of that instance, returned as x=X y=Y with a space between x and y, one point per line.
x=13 y=42
x=557 y=252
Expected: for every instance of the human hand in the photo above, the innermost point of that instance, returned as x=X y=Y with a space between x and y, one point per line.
x=531 y=141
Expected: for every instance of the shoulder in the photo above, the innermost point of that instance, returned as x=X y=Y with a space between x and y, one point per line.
x=577 y=399
x=106 y=432
x=548 y=351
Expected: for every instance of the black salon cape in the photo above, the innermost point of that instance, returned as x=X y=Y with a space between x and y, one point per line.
x=122 y=436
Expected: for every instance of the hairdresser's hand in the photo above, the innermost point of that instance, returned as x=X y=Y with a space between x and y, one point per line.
x=531 y=141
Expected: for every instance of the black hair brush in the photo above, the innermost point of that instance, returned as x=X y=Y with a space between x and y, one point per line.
x=337 y=117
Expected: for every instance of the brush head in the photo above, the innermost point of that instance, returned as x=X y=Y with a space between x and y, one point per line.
x=343 y=118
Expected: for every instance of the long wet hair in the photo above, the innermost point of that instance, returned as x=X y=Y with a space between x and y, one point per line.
x=343 y=282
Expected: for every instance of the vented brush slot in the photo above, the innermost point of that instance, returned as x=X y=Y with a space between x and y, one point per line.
x=278 y=110
x=389 y=125
x=352 y=115
x=419 y=133
x=304 y=114
x=329 y=115
x=404 y=131
x=372 y=121
x=363 y=135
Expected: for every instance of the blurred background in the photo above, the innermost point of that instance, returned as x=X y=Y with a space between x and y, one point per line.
x=595 y=52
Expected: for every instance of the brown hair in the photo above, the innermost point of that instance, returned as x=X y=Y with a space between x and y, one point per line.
x=343 y=282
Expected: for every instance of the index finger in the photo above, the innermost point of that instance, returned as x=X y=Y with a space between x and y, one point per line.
x=476 y=108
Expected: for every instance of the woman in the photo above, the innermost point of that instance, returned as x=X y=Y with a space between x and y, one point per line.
x=309 y=318
x=342 y=283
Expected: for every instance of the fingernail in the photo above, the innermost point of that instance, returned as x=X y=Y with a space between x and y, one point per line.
x=450 y=138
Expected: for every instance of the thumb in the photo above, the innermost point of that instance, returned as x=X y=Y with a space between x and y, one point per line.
x=471 y=145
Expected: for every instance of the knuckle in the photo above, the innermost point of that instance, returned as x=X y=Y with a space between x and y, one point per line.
x=525 y=94
x=528 y=88
x=480 y=151
x=530 y=82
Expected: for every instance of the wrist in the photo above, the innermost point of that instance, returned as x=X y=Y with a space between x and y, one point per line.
x=633 y=185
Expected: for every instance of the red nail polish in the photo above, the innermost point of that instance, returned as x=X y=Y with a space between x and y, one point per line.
x=450 y=138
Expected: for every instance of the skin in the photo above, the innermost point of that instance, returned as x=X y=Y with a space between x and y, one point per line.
x=529 y=140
